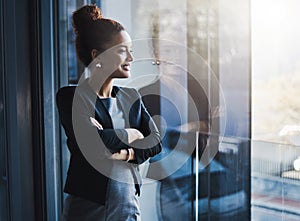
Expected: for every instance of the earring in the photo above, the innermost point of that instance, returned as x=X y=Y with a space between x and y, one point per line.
x=98 y=65
x=156 y=62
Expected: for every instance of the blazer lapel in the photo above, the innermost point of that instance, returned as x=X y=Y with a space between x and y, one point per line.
x=125 y=102
x=97 y=108
x=102 y=114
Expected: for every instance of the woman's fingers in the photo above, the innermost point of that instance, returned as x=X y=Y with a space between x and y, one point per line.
x=121 y=155
x=134 y=134
x=124 y=154
x=96 y=123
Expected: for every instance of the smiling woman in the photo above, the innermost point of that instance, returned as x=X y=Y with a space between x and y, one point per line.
x=109 y=131
x=112 y=61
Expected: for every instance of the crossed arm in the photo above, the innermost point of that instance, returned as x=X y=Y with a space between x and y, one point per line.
x=131 y=144
x=123 y=154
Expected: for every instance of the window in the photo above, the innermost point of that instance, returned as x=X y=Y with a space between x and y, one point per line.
x=275 y=109
x=200 y=46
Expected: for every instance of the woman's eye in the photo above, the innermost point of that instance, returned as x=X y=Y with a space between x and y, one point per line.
x=122 y=51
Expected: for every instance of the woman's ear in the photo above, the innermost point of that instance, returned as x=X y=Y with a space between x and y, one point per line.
x=94 y=53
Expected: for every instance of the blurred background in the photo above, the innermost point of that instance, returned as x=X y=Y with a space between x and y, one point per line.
x=232 y=65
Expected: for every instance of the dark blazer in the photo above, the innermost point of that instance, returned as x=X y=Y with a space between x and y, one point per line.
x=90 y=147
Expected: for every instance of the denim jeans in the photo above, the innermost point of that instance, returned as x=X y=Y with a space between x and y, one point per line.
x=121 y=205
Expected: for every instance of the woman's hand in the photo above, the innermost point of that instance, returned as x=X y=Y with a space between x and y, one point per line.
x=134 y=134
x=123 y=154
x=96 y=123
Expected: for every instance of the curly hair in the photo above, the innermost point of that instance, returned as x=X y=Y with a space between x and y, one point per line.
x=93 y=31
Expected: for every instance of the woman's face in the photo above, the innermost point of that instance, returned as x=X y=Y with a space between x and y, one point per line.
x=120 y=54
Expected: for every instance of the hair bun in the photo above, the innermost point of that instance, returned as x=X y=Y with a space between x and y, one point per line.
x=95 y=12
x=85 y=16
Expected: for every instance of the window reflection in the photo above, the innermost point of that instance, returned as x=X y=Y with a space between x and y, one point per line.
x=224 y=183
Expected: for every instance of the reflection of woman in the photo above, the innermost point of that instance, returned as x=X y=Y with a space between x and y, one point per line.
x=181 y=101
x=163 y=98
x=117 y=115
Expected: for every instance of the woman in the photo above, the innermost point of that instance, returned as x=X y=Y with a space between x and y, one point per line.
x=109 y=132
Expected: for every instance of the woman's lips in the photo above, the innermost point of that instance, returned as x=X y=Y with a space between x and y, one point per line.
x=126 y=67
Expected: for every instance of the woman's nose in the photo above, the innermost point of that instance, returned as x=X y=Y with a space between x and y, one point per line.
x=129 y=56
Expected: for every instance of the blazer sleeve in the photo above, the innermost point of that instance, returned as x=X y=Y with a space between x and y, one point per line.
x=150 y=145
x=80 y=132
x=95 y=143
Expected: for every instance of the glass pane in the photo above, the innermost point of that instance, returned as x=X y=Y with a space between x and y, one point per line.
x=211 y=30
x=159 y=72
x=275 y=182
x=229 y=181
x=275 y=109
x=276 y=77
x=185 y=53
